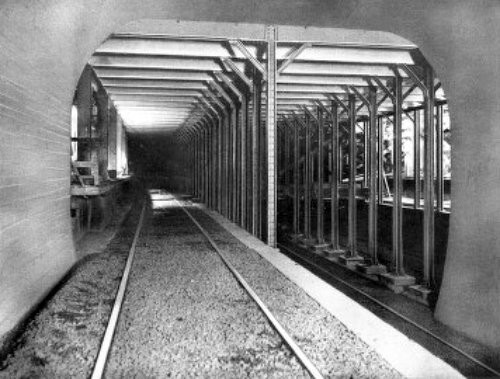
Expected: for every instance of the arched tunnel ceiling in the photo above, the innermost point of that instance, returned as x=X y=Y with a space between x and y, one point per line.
x=160 y=82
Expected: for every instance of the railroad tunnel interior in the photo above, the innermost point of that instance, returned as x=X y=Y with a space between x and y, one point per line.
x=202 y=117
x=248 y=44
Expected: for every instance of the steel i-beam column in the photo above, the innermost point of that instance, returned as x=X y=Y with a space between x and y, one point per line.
x=380 y=160
x=334 y=181
x=234 y=183
x=218 y=151
x=351 y=256
x=236 y=166
x=256 y=99
x=271 y=137
x=207 y=199
x=439 y=159
x=416 y=158
x=208 y=174
x=320 y=237
x=397 y=280
x=296 y=180
x=366 y=147
x=194 y=163
x=243 y=162
x=307 y=179
x=225 y=164
x=203 y=165
x=375 y=267
x=428 y=247
x=397 y=211
x=215 y=162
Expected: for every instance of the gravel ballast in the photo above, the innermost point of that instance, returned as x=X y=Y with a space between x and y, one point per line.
x=184 y=314
x=334 y=349
x=62 y=338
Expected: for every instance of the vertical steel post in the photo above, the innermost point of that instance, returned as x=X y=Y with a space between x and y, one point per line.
x=216 y=181
x=428 y=248
x=307 y=179
x=256 y=99
x=208 y=173
x=243 y=162
x=225 y=168
x=218 y=150
x=320 y=239
x=352 y=212
x=439 y=159
x=271 y=136
x=296 y=179
x=373 y=206
x=380 y=160
x=234 y=176
x=195 y=163
x=397 y=210
x=366 y=151
x=334 y=178
x=416 y=158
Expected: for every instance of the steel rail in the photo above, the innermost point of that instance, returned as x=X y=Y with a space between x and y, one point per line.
x=302 y=357
x=390 y=309
x=102 y=356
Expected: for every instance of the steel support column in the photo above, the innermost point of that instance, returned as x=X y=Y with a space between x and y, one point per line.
x=320 y=238
x=380 y=160
x=352 y=211
x=296 y=179
x=334 y=179
x=233 y=169
x=428 y=244
x=255 y=206
x=416 y=159
x=372 y=153
x=439 y=159
x=307 y=179
x=397 y=205
x=271 y=136
x=243 y=162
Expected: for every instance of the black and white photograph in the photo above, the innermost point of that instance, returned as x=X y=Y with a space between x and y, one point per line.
x=249 y=189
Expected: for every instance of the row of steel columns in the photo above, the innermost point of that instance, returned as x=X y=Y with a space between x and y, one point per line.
x=233 y=168
x=303 y=139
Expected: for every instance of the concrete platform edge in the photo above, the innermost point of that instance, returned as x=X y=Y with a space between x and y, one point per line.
x=404 y=354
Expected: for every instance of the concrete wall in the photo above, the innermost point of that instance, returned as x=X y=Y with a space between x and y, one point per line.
x=45 y=45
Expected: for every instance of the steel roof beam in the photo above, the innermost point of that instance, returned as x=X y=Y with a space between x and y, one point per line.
x=355 y=55
x=151 y=74
x=147 y=62
x=342 y=69
x=308 y=88
x=165 y=47
x=320 y=80
x=129 y=83
x=154 y=92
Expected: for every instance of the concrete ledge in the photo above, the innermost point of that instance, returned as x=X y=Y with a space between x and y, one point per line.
x=405 y=355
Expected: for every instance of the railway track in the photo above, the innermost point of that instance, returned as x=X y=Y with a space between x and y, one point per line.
x=104 y=351
x=327 y=274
